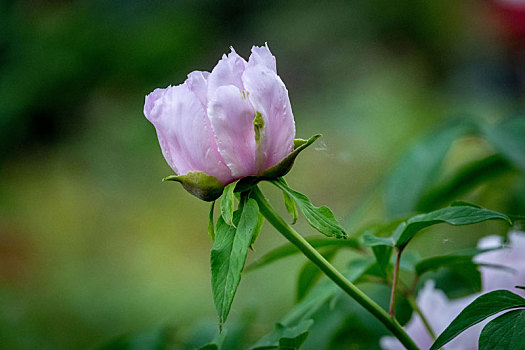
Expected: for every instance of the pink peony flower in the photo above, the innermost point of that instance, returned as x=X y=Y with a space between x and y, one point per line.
x=231 y=123
x=440 y=311
x=512 y=256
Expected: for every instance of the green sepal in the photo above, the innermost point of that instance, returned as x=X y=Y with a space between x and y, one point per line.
x=299 y=142
x=199 y=184
x=246 y=183
x=278 y=170
x=208 y=188
x=286 y=164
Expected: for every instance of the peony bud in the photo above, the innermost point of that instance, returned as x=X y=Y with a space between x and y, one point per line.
x=225 y=125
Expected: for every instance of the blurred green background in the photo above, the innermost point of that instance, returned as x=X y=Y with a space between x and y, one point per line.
x=93 y=245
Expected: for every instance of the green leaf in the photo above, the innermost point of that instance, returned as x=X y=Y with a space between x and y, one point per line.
x=374 y=235
x=484 y=306
x=457 y=258
x=456 y=281
x=161 y=338
x=199 y=184
x=464 y=204
x=309 y=275
x=458 y=215
x=285 y=337
x=358 y=268
x=374 y=271
x=357 y=272
x=346 y=328
x=403 y=309
x=382 y=254
x=228 y=203
x=211 y=227
x=216 y=343
x=228 y=254
x=504 y=332
x=409 y=261
x=508 y=138
x=320 y=218
x=464 y=180
x=371 y=240
x=457 y=275
x=291 y=207
x=288 y=249
x=258 y=228
x=211 y=346
x=325 y=292
x=320 y=295
x=419 y=168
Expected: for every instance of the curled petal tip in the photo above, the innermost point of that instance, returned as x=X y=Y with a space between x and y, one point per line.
x=261 y=55
x=151 y=100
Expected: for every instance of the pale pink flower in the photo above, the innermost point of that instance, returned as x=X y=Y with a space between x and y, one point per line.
x=512 y=256
x=440 y=311
x=233 y=122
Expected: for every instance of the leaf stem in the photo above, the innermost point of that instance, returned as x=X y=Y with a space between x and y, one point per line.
x=391 y=309
x=349 y=288
x=412 y=301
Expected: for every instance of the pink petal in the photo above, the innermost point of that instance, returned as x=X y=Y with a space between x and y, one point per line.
x=511 y=256
x=227 y=72
x=184 y=132
x=197 y=83
x=269 y=97
x=231 y=116
x=262 y=55
x=429 y=300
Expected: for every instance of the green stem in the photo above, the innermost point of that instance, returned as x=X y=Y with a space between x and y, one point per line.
x=413 y=303
x=331 y=272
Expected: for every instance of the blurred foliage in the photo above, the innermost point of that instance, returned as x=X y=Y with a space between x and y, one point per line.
x=92 y=245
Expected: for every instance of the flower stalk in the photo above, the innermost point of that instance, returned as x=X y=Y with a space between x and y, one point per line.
x=330 y=271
